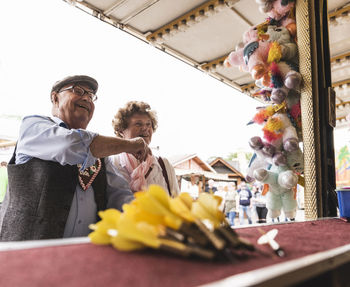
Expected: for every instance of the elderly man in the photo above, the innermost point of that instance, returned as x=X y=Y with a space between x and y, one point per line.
x=60 y=175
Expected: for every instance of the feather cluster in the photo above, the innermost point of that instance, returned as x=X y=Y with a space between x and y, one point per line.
x=273 y=129
x=263 y=114
x=275 y=53
x=275 y=76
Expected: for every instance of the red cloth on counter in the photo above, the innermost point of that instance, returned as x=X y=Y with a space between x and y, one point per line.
x=91 y=265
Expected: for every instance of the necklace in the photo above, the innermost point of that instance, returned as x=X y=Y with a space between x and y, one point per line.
x=87 y=176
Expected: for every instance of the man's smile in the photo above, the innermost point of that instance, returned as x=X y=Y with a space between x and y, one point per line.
x=84 y=106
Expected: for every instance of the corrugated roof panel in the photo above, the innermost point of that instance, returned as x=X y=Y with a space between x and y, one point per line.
x=207 y=39
x=161 y=13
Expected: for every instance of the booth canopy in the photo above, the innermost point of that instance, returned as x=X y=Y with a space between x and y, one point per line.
x=202 y=33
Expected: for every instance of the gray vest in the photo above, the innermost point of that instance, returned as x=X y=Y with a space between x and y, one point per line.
x=39 y=198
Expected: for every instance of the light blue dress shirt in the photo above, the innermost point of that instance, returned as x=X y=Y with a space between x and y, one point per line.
x=50 y=139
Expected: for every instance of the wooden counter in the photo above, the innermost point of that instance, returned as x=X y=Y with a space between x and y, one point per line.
x=315 y=251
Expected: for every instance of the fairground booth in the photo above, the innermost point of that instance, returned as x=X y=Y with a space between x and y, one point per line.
x=293 y=58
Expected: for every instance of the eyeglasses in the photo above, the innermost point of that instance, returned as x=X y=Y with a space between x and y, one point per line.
x=79 y=91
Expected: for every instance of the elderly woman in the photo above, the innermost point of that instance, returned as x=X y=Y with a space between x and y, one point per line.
x=136 y=119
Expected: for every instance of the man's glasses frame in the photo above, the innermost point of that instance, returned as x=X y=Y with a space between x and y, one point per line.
x=79 y=91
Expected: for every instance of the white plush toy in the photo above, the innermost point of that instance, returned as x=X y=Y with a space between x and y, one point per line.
x=282 y=181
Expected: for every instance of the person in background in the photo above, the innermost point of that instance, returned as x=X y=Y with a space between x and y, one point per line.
x=231 y=203
x=245 y=196
x=3 y=180
x=193 y=188
x=60 y=175
x=259 y=202
x=137 y=119
x=210 y=187
x=221 y=192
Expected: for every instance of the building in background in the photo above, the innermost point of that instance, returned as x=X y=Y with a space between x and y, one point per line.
x=191 y=170
x=229 y=168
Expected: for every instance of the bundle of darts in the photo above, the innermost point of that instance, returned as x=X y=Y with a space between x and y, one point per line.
x=179 y=225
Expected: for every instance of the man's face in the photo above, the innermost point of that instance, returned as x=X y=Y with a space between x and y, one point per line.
x=140 y=125
x=76 y=111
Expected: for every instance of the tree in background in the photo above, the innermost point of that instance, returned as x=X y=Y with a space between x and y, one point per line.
x=234 y=155
x=342 y=164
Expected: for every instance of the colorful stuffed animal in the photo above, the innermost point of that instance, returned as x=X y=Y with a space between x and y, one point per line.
x=281 y=135
x=282 y=181
x=278 y=80
x=283 y=74
x=281 y=35
x=271 y=60
x=251 y=35
x=266 y=151
x=264 y=156
x=280 y=13
x=278 y=128
x=269 y=53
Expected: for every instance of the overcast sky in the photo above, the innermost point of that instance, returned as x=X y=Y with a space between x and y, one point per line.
x=43 y=41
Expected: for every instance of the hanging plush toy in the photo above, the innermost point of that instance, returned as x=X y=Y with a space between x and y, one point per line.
x=278 y=128
x=282 y=181
x=251 y=35
x=269 y=53
x=270 y=56
x=281 y=35
x=281 y=135
x=283 y=70
x=256 y=58
x=280 y=13
x=264 y=156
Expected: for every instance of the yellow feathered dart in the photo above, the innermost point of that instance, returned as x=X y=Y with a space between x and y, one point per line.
x=207 y=208
x=143 y=224
x=155 y=220
x=109 y=221
x=179 y=207
x=155 y=201
x=124 y=232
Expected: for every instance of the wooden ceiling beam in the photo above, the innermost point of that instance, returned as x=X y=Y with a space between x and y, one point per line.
x=339 y=12
x=248 y=87
x=184 y=19
x=340 y=57
x=214 y=63
x=340 y=83
x=341 y=118
x=342 y=104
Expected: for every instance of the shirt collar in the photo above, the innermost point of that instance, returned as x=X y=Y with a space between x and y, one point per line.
x=60 y=122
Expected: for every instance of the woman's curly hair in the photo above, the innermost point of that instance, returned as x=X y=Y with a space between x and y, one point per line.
x=122 y=117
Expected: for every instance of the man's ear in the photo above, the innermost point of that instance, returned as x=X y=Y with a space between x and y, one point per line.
x=54 y=98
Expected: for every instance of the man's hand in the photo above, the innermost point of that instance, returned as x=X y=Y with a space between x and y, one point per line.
x=139 y=148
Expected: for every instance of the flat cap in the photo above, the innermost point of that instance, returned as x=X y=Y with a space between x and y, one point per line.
x=91 y=82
